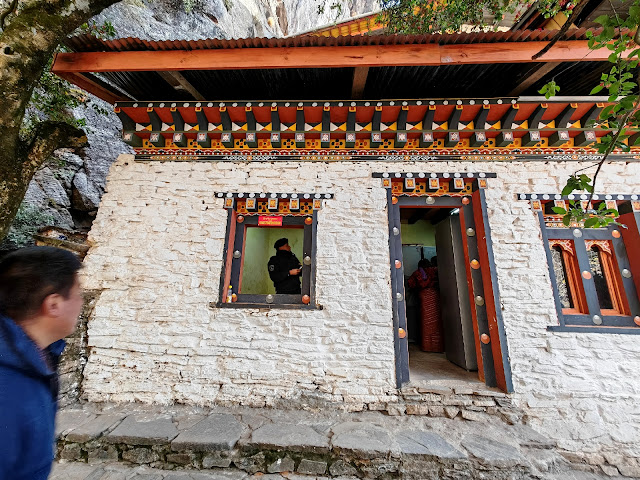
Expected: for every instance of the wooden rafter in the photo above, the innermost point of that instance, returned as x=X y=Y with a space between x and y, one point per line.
x=530 y=80
x=359 y=81
x=92 y=85
x=177 y=81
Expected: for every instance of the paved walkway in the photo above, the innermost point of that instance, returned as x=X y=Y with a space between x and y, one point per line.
x=242 y=443
x=111 y=471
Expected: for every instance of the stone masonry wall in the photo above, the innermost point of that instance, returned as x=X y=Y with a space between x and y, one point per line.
x=156 y=254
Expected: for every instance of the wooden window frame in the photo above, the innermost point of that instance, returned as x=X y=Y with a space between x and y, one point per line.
x=574 y=283
x=623 y=254
x=233 y=267
x=612 y=276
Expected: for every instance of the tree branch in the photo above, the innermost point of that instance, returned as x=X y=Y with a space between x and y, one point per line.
x=11 y=9
x=49 y=137
x=610 y=149
x=574 y=14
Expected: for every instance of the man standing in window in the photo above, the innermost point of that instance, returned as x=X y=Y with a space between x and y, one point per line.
x=285 y=268
x=40 y=300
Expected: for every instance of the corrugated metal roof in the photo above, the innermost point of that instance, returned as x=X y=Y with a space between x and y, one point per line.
x=87 y=43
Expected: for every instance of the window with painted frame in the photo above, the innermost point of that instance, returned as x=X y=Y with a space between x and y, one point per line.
x=594 y=271
x=254 y=222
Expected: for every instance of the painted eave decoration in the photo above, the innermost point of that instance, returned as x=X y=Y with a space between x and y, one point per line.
x=420 y=129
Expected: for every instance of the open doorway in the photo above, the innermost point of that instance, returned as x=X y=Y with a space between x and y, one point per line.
x=438 y=199
x=442 y=347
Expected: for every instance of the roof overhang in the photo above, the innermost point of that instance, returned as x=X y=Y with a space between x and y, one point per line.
x=355 y=67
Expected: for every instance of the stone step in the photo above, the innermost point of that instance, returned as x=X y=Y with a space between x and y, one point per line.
x=325 y=444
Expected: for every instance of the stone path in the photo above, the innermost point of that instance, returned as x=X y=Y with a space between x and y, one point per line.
x=118 y=442
x=111 y=471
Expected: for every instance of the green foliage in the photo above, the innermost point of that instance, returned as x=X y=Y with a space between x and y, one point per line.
x=188 y=5
x=26 y=223
x=550 y=89
x=428 y=16
x=620 y=117
x=335 y=8
x=54 y=98
x=104 y=31
x=599 y=217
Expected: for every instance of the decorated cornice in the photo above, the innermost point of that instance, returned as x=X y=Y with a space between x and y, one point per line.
x=343 y=130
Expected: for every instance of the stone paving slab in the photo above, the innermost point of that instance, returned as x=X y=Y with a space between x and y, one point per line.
x=144 y=430
x=363 y=438
x=415 y=442
x=71 y=471
x=83 y=471
x=290 y=437
x=493 y=453
x=94 y=428
x=530 y=438
x=366 y=444
x=216 y=432
x=68 y=420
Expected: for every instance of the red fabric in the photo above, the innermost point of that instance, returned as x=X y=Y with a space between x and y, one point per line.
x=432 y=339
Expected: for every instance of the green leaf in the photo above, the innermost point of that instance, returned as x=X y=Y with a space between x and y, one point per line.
x=591 y=222
x=595 y=90
x=602 y=19
x=606 y=111
x=559 y=210
x=566 y=220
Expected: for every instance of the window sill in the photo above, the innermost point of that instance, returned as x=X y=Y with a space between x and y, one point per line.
x=271 y=306
x=594 y=329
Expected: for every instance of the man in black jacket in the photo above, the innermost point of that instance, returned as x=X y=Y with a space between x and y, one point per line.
x=285 y=268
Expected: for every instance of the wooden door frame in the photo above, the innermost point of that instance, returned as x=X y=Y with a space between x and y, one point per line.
x=492 y=351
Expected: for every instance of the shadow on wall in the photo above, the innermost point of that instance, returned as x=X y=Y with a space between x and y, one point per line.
x=74 y=358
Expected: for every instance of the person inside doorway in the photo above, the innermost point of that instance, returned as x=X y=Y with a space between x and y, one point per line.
x=425 y=281
x=285 y=269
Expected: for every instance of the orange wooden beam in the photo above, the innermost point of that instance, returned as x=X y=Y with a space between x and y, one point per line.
x=93 y=87
x=324 y=57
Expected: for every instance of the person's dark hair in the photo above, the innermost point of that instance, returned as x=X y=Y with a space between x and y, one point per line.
x=281 y=242
x=424 y=263
x=434 y=261
x=29 y=275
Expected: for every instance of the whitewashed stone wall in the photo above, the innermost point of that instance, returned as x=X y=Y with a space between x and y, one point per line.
x=157 y=256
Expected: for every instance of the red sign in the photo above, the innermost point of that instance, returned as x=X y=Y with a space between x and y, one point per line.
x=269 y=221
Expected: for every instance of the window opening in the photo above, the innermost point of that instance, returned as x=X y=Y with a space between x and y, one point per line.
x=258 y=249
x=600 y=281
x=567 y=275
x=562 y=279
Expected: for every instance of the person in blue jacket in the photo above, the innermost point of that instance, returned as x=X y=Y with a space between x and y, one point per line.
x=40 y=300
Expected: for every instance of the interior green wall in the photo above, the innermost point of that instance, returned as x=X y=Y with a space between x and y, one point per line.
x=257 y=252
x=419 y=233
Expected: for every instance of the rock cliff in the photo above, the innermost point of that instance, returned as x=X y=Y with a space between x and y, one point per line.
x=66 y=191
